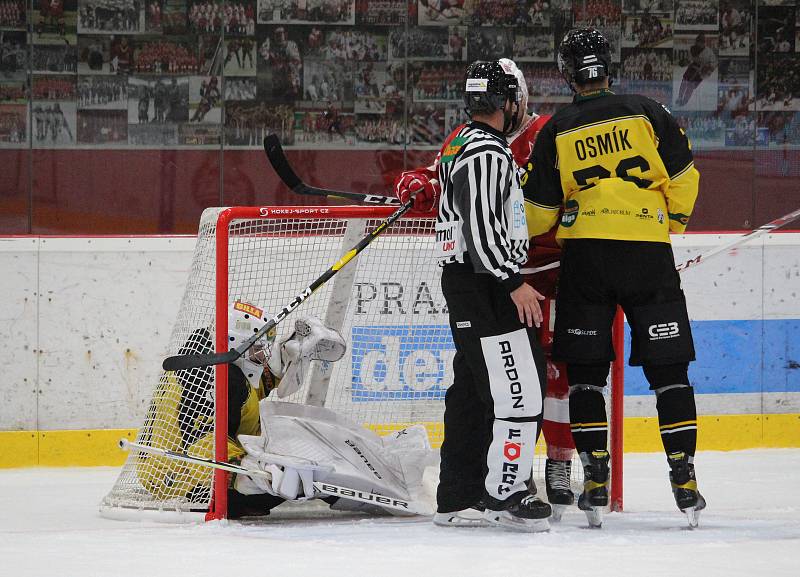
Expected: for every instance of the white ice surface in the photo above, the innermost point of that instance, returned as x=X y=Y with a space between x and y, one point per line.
x=49 y=527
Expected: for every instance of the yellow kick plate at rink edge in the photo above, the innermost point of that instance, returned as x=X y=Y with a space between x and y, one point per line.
x=100 y=447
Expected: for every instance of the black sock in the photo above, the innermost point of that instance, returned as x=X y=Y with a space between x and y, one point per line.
x=677 y=420
x=588 y=421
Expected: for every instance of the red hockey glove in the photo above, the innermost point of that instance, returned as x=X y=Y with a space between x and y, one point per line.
x=418 y=182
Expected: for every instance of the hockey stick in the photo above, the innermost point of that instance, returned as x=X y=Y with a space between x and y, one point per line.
x=180 y=362
x=755 y=233
x=321 y=488
x=703 y=257
x=279 y=162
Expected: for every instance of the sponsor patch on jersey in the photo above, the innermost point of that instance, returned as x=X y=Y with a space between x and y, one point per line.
x=249 y=309
x=615 y=211
x=570 y=214
x=451 y=150
x=448 y=241
x=463 y=324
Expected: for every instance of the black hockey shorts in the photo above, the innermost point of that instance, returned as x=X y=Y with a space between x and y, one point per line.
x=493 y=409
x=596 y=276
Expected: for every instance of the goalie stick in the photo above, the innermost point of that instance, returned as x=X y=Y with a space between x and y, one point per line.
x=279 y=162
x=703 y=257
x=181 y=362
x=320 y=487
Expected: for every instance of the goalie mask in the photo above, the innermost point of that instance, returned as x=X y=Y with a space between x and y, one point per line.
x=584 y=56
x=244 y=320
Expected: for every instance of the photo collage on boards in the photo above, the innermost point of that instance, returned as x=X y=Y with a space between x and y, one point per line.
x=373 y=73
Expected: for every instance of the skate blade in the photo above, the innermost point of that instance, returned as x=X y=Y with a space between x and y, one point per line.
x=558 y=511
x=692 y=516
x=595 y=517
x=507 y=521
x=457 y=520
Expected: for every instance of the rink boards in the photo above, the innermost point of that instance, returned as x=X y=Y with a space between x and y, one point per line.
x=86 y=320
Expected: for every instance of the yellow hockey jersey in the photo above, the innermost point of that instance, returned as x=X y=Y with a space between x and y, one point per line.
x=614 y=167
x=180 y=418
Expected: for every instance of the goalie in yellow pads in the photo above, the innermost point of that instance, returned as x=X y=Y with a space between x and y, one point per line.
x=181 y=418
x=181 y=412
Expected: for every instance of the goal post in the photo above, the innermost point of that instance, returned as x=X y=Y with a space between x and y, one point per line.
x=387 y=303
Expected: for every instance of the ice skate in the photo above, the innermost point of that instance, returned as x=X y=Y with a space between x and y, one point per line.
x=469 y=517
x=684 y=487
x=559 y=491
x=595 y=486
x=522 y=512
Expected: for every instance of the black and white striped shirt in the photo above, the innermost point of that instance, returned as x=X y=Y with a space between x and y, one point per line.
x=481 y=208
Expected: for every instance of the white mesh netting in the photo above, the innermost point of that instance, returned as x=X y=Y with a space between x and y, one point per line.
x=387 y=303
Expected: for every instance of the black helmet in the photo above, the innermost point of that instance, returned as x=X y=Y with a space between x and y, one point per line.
x=584 y=56
x=489 y=85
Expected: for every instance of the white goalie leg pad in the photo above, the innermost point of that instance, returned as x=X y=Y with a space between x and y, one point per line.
x=412 y=448
x=310 y=341
x=291 y=477
x=517 y=395
x=340 y=452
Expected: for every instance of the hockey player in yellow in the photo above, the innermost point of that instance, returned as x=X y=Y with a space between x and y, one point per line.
x=618 y=171
x=181 y=412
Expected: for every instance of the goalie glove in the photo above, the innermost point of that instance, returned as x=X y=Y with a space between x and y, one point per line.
x=292 y=478
x=310 y=341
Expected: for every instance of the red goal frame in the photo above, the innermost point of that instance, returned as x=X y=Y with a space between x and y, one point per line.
x=219 y=502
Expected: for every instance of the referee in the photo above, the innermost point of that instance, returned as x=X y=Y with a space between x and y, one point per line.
x=493 y=410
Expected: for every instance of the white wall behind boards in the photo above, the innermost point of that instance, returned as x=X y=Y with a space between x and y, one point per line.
x=84 y=326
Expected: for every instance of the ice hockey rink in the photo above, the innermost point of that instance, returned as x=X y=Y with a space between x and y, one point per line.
x=50 y=527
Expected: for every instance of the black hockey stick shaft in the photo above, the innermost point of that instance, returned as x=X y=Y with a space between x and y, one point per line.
x=320 y=487
x=181 y=362
x=279 y=162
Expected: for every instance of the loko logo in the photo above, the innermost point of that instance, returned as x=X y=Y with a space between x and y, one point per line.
x=512 y=451
x=398 y=362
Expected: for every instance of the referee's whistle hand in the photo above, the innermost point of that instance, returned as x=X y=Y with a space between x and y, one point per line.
x=527 y=298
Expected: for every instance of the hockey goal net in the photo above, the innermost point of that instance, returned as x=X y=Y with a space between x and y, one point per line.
x=387 y=304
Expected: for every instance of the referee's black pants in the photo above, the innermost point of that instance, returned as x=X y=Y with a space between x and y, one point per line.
x=487 y=455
